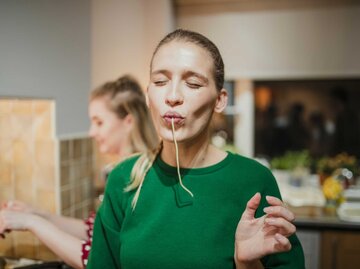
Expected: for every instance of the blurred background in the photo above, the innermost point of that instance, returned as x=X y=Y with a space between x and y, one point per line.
x=292 y=71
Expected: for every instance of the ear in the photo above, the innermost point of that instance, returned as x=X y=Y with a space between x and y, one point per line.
x=128 y=121
x=221 y=101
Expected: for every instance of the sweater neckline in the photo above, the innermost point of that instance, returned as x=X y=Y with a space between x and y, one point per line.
x=168 y=169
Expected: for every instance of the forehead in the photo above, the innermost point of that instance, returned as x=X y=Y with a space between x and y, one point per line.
x=99 y=105
x=184 y=55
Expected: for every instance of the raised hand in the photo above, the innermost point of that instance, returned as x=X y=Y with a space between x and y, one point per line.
x=257 y=237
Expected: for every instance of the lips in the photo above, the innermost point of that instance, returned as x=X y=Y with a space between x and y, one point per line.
x=172 y=115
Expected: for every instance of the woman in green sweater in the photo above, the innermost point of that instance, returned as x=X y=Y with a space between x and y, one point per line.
x=189 y=204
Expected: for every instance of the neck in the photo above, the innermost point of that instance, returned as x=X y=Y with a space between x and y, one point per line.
x=192 y=155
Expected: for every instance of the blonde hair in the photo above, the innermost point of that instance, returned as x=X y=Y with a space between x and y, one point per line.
x=139 y=171
x=124 y=96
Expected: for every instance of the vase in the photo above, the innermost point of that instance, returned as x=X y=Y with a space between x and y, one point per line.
x=331 y=206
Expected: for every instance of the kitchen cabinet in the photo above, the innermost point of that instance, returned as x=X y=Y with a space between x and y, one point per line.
x=340 y=249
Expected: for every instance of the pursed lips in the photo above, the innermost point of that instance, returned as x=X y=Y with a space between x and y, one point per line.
x=172 y=115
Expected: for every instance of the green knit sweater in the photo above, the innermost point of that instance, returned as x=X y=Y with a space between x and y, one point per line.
x=170 y=229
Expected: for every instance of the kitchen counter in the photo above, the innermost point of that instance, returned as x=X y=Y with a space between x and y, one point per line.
x=318 y=218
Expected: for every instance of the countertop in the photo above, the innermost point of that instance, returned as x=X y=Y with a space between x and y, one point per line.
x=319 y=218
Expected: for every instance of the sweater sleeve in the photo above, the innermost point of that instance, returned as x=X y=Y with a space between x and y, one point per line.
x=105 y=250
x=294 y=258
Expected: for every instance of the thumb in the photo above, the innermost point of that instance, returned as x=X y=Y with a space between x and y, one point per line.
x=251 y=207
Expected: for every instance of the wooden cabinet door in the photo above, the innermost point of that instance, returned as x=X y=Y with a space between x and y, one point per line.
x=340 y=250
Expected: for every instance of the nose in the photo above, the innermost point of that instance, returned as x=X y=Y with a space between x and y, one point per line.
x=174 y=96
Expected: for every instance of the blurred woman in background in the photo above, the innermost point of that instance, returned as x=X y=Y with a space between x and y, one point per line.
x=121 y=125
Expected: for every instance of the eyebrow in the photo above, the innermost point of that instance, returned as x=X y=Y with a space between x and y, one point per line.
x=195 y=74
x=95 y=118
x=161 y=71
x=186 y=74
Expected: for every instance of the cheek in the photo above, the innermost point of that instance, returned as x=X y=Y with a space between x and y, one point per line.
x=106 y=133
x=154 y=107
x=203 y=108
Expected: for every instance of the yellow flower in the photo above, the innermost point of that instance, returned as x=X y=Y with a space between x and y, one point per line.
x=332 y=188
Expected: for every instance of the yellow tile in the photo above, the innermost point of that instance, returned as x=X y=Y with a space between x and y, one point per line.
x=6 y=194
x=5 y=126
x=22 y=107
x=44 y=177
x=45 y=152
x=24 y=243
x=43 y=126
x=45 y=254
x=25 y=194
x=42 y=106
x=21 y=152
x=6 y=150
x=46 y=200
x=21 y=126
x=7 y=245
x=6 y=174
x=6 y=106
x=23 y=174
x=24 y=237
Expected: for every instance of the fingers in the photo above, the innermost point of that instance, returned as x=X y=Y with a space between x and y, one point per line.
x=286 y=227
x=279 y=216
x=278 y=209
x=283 y=243
x=272 y=200
x=251 y=207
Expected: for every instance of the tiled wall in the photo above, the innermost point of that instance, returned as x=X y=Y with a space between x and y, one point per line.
x=39 y=169
x=76 y=177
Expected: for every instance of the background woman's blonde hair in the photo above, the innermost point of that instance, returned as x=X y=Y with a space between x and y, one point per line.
x=124 y=96
x=145 y=162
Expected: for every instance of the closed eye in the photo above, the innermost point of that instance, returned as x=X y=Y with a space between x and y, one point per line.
x=193 y=85
x=97 y=121
x=160 y=82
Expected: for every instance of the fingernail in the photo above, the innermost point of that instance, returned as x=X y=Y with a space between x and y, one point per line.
x=267 y=210
x=270 y=220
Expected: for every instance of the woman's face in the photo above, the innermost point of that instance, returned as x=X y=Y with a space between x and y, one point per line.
x=110 y=132
x=182 y=88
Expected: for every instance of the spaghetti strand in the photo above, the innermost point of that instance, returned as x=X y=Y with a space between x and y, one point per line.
x=177 y=159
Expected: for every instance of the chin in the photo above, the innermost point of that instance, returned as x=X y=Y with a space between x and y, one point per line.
x=168 y=137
